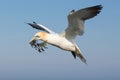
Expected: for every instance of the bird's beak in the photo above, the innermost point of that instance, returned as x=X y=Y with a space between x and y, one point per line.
x=33 y=41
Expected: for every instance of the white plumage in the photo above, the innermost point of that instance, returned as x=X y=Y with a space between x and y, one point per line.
x=65 y=40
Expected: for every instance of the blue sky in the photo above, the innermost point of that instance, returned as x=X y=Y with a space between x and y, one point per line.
x=100 y=44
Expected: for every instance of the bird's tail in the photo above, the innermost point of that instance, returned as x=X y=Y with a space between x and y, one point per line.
x=78 y=53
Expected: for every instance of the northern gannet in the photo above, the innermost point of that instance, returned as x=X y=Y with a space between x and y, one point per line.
x=65 y=40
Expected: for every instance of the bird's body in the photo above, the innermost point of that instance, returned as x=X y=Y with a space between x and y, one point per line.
x=60 y=42
x=65 y=40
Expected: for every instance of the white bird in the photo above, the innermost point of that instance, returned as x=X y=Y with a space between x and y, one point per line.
x=65 y=40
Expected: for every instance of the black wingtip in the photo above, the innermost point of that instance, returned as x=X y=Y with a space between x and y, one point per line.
x=74 y=55
x=34 y=25
x=99 y=7
x=34 y=22
x=30 y=23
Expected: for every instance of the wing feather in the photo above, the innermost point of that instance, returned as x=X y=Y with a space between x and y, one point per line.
x=89 y=12
x=76 y=21
x=40 y=27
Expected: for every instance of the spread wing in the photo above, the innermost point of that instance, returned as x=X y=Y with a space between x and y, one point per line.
x=76 y=21
x=40 y=27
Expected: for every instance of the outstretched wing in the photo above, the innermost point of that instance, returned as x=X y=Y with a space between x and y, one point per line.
x=76 y=21
x=40 y=27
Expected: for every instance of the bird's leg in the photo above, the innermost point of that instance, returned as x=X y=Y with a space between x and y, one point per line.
x=40 y=46
x=42 y=49
x=45 y=43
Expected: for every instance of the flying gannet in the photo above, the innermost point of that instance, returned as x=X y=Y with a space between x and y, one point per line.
x=65 y=40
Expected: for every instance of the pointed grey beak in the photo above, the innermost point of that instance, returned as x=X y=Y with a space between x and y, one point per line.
x=33 y=41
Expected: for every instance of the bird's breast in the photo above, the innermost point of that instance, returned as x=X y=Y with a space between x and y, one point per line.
x=61 y=42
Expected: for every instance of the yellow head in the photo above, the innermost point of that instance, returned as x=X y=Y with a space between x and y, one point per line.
x=38 y=36
x=41 y=35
